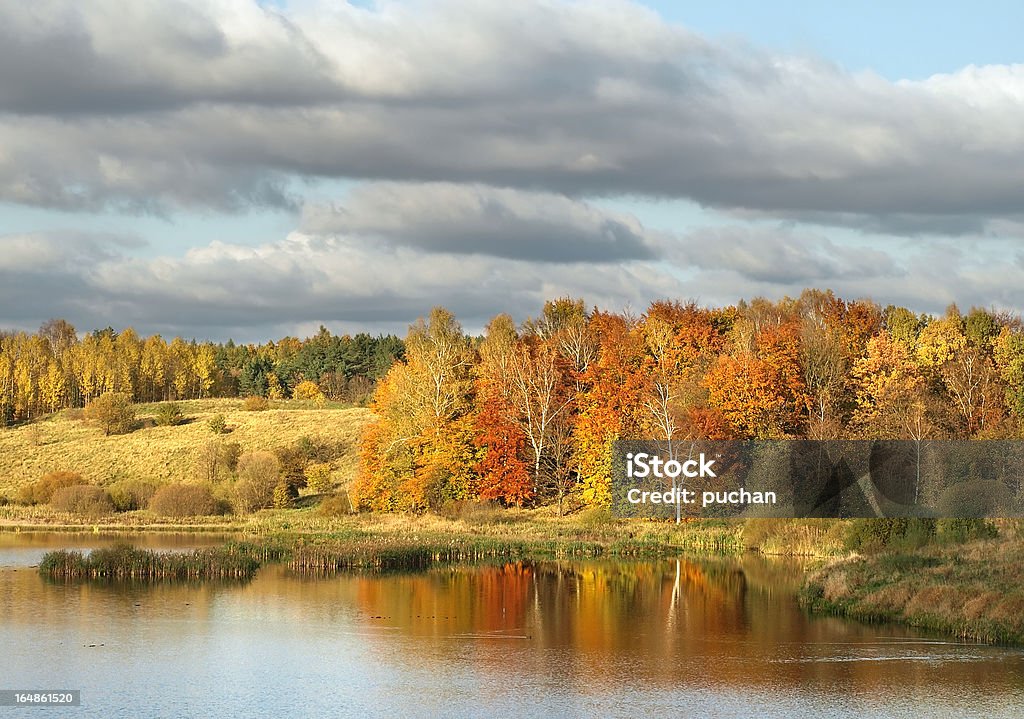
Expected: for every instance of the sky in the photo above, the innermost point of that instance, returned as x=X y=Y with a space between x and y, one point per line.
x=244 y=169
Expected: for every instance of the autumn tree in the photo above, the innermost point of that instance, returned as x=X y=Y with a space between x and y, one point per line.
x=502 y=472
x=407 y=454
x=610 y=407
x=891 y=394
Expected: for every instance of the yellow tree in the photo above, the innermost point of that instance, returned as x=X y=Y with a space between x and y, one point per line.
x=891 y=395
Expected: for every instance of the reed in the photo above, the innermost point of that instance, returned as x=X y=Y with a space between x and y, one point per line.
x=385 y=554
x=126 y=563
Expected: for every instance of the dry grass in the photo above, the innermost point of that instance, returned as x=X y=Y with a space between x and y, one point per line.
x=974 y=591
x=167 y=454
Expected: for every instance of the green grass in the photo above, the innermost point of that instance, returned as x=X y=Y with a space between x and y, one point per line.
x=167 y=454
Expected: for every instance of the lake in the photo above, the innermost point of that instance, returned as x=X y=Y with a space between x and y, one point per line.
x=553 y=638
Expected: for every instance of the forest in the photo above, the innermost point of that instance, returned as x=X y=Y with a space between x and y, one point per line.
x=526 y=414
x=55 y=369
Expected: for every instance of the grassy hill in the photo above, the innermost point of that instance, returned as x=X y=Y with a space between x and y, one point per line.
x=64 y=441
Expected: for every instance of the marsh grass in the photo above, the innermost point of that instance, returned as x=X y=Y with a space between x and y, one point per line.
x=973 y=591
x=126 y=563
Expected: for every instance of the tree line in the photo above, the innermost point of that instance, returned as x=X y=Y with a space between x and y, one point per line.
x=54 y=368
x=529 y=413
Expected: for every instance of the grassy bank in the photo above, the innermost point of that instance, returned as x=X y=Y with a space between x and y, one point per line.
x=535 y=526
x=973 y=591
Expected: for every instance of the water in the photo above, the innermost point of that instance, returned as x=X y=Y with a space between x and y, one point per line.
x=680 y=638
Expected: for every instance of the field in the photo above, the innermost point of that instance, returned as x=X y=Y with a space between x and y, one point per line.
x=64 y=441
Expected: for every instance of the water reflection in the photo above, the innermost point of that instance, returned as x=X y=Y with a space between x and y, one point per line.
x=549 y=638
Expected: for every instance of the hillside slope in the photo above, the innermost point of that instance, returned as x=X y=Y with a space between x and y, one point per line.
x=64 y=441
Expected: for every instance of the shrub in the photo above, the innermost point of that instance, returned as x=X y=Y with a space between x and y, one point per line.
x=318 y=477
x=336 y=505
x=255 y=404
x=958 y=531
x=307 y=390
x=41 y=491
x=217 y=424
x=594 y=517
x=284 y=495
x=976 y=498
x=87 y=499
x=184 y=500
x=168 y=414
x=131 y=494
x=113 y=412
x=873 y=535
x=258 y=474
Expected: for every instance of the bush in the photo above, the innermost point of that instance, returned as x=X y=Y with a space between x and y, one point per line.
x=976 y=499
x=168 y=414
x=958 y=531
x=874 y=535
x=336 y=505
x=255 y=404
x=285 y=495
x=292 y=461
x=87 y=499
x=318 y=477
x=184 y=500
x=307 y=390
x=594 y=517
x=113 y=412
x=258 y=474
x=217 y=424
x=41 y=491
x=131 y=494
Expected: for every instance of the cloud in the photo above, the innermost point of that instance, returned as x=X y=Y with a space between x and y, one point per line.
x=781 y=256
x=476 y=219
x=223 y=104
x=350 y=283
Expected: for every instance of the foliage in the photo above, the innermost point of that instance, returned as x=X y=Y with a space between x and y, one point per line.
x=285 y=495
x=112 y=412
x=218 y=424
x=259 y=473
x=168 y=414
x=131 y=494
x=53 y=369
x=336 y=505
x=87 y=499
x=184 y=500
x=307 y=390
x=255 y=403
x=318 y=477
x=961 y=530
x=41 y=491
x=873 y=535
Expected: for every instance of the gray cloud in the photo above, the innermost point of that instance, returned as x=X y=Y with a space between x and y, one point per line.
x=476 y=219
x=781 y=256
x=219 y=104
x=254 y=292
